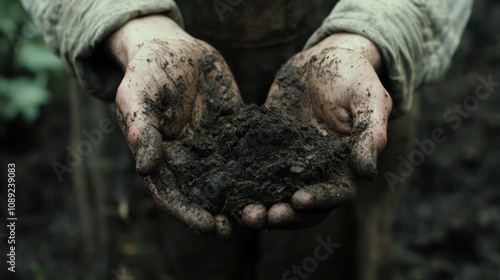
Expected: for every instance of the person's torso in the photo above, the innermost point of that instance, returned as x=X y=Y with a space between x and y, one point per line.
x=255 y=37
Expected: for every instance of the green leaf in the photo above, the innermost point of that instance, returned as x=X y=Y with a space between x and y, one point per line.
x=22 y=96
x=37 y=58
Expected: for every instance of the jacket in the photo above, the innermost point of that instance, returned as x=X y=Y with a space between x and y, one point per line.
x=416 y=38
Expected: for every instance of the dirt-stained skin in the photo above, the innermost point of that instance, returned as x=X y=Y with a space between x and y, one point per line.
x=178 y=97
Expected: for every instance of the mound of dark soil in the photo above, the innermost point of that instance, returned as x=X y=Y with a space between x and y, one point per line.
x=254 y=154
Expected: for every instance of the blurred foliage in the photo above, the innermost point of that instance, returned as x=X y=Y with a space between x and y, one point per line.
x=26 y=65
x=37 y=271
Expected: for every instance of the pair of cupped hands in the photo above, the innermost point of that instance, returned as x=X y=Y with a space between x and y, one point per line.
x=340 y=88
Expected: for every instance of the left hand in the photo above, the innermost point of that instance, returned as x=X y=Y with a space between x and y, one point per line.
x=169 y=82
x=335 y=87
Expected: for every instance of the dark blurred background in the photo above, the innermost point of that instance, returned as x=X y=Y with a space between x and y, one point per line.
x=449 y=224
x=80 y=223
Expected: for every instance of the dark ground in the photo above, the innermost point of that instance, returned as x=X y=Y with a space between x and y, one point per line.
x=447 y=228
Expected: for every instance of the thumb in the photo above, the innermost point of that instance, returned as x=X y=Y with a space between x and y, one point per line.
x=145 y=141
x=147 y=150
x=141 y=130
x=370 y=133
x=364 y=160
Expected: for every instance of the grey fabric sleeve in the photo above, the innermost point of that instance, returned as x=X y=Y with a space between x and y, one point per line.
x=416 y=38
x=75 y=29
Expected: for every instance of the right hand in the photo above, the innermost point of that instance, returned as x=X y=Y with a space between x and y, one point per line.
x=161 y=96
x=335 y=87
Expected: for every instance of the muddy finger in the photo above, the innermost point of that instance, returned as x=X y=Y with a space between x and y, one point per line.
x=227 y=228
x=224 y=228
x=170 y=200
x=324 y=196
x=254 y=216
x=283 y=216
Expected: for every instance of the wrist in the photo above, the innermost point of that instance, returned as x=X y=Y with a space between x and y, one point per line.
x=126 y=41
x=356 y=43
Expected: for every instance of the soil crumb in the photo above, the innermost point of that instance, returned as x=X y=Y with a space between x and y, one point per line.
x=253 y=154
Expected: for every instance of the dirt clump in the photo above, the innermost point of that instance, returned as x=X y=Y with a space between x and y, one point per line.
x=253 y=154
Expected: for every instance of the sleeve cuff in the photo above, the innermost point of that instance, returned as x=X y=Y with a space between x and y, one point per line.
x=415 y=38
x=80 y=44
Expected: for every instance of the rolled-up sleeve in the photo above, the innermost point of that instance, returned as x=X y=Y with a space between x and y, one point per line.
x=416 y=38
x=75 y=30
